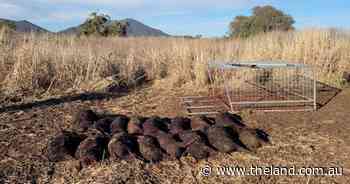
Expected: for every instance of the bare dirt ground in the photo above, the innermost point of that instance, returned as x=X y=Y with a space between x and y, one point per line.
x=301 y=139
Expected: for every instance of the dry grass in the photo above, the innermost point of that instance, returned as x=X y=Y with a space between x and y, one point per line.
x=49 y=63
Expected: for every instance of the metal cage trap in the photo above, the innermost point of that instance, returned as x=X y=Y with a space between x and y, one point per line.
x=263 y=86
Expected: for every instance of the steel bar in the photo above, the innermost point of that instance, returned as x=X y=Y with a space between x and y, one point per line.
x=227 y=93
x=315 y=92
x=272 y=102
x=202 y=107
x=187 y=97
x=286 y=110
x=201 y=101
x=202 y=113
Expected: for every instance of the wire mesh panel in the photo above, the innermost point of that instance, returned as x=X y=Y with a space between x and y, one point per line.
x=262 y=86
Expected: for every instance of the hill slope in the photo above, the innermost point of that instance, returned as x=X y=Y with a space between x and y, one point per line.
x=71 y=30
x=137 y=28
x=24 y=26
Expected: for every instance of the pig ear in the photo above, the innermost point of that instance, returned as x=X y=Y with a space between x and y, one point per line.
x=208 y=120
x=138 y=157
x=185 y=152
x=180 y=152
x=262 y=135
x=166 y=156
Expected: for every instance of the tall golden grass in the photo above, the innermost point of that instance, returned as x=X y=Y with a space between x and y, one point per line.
x=37 y=63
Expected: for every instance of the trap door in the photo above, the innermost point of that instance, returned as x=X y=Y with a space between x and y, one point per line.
x=203 y=105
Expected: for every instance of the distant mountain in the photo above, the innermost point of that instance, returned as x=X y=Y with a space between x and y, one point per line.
x=70 y=31
x=24 y=26
x=135 y=28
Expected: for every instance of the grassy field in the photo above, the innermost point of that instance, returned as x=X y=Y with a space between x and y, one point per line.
x=47 y=63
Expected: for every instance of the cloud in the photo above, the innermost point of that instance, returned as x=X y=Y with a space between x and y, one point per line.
x=9 y=10
x=74 y=9
x=122 y=5
x=109 y=3
x=145 y=2
x=170 y=13
x=66 y=16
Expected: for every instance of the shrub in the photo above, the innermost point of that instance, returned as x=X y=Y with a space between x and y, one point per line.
x=264 y=19
x=101 y=25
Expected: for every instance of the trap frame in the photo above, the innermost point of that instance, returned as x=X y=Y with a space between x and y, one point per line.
x=260 y=86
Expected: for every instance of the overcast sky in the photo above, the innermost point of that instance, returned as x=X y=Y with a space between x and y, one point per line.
x=179 y=17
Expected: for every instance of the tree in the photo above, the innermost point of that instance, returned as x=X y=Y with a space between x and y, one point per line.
x=116 y=29
x=6 y=24
x=241 y=26
x=264 y=19
x=101 y=25
x=199 y=36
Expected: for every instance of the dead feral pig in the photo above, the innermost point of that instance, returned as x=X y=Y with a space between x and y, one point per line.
x=92 y=132
x=196 y=144
x=150 y=148
x=227 y=119
x=224 y=139
x=85 y=119
x=149 y=128
x=63 y=146
x=189 y=136
x=119 y=124
x=179 y=124
x=104 y=124
x=253 y=138
x=153 y=125
x=200 y=123
x=170 y=145
x=122 y=147
x=199 y=150
x=135 y=125
x=93 y=149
